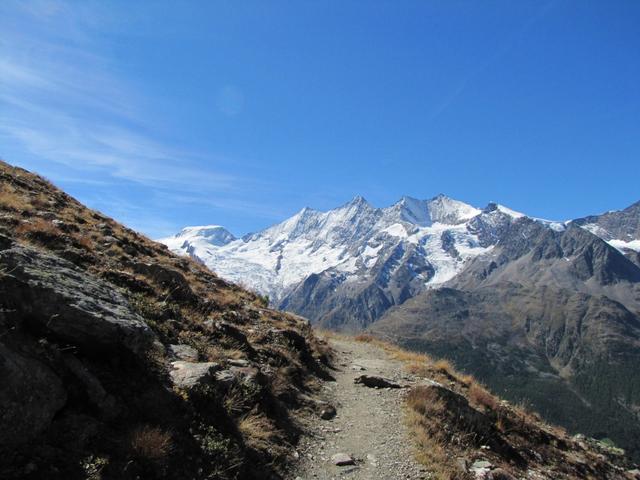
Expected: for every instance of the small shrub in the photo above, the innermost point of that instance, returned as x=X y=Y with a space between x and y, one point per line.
x=264 y=300
x=93 y=466
x=145 y=306
x=214 y=444
x=365 y=338
x=444 y=366
x=11 y=200
x=85 y=242
x=39 y=227
x=257 y=431
x=152 y=444
x=480 y=396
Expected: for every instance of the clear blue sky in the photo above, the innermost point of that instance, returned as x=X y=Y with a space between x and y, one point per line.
x=165 y=114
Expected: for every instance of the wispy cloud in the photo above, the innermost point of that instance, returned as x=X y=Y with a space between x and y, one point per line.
x=62 y=101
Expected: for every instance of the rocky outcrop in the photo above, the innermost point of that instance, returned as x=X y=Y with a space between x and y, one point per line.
x=56 y=298
x=189 y=374
x=623 y=224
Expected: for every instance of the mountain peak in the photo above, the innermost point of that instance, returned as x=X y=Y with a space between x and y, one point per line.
x=411 y=210
x=358 y=200
x=212 y=234
x=408 y=199
x=493 y=206
x=444 y=209
x=357 y=203
x=440 y=196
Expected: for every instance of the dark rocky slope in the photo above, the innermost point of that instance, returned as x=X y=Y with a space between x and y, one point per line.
x=120 y=360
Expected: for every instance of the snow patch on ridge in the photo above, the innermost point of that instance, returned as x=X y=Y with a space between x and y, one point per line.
x=622 y=245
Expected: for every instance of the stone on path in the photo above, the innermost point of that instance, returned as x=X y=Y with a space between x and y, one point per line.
x=342 y=459
x=372 y=381
x=328 y=413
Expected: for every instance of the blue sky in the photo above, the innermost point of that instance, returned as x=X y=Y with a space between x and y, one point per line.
x=165 y=114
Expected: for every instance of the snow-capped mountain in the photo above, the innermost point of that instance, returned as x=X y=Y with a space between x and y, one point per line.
x=428 y=240
x=367 y=257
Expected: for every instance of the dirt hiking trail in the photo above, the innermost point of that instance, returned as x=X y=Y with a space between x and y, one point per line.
x=368 y=428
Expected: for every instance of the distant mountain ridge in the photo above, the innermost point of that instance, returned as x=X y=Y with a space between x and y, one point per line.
x=345 y=267
x=349 y=240
x=274 y=261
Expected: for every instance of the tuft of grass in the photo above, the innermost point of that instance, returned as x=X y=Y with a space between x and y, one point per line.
x=445 y=367
x=152 y=444
x=38 y=226
x=10 y=199
x=85 y=242
x=481 y=397
x=424 y=418
x=258 y=431
x=228 y=298
x=365 y=338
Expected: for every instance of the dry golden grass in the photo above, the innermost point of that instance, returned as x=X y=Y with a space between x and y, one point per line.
x=419 y=369
x=464 y=379
x=151 y=443
x=445 y=367
x=85 y=242
x=394 y=351
x=40 y=201
x=481 y=397
x=424 y=413
x=526 y=415
x=38 y=225
x=257 y=431
x=331 y=335
x=417 y=363
x=227 y=298
x=10 y=199
x=365 y=338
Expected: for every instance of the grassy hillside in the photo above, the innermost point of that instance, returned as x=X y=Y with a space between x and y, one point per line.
x=122 y=360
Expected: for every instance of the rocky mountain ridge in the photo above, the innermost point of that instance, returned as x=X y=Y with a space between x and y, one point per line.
x=344 y=268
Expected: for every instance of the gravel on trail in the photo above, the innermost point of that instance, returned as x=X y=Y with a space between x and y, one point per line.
x=368 y=426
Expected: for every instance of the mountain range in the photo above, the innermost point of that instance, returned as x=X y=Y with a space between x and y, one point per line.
x=544 y=312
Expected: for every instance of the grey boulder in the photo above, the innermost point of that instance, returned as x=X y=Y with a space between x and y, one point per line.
x=189 y=374
x=54 y=297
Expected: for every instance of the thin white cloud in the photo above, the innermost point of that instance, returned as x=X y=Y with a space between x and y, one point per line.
x=61 y=101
